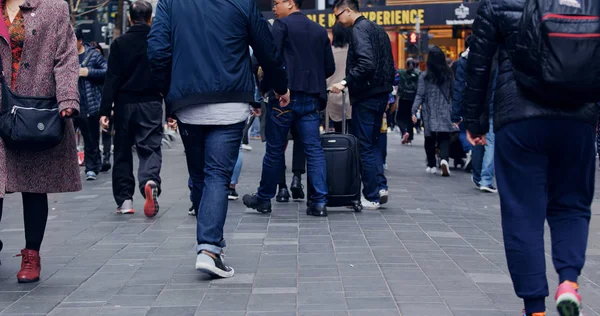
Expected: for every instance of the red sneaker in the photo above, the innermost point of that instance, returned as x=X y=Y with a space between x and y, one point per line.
x=151 y=205
x=568 y=300
x=30 y=266
x=405 y=138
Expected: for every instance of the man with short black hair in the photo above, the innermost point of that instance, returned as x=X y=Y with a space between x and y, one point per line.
x=369 y=77
x=138 y=114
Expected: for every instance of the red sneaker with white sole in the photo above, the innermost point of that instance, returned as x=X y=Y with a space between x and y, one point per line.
x=568 y=300
x=151 y=205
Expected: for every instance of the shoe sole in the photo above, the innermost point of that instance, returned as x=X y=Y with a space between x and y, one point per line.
x=25 y=281
x=383 y=199
x=232 y=198
x=126 y=212
x=297 y=193
x=488 y=190
x=90 y=179
x=567 y=305
x=445 y=171
x=151 y=205
x=282 y=200
x=212 y=270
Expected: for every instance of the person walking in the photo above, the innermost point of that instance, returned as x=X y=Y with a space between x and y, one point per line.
x=138 y=114
x=434 y=96
x=41 y=63
x=186 y=47
x=91 y=77
x=306 y=48
x=341 y=41
x=408 y=81
x=543 y=174
x=369 y=77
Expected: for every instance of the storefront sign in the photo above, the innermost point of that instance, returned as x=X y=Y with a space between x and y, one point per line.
x=429 y=14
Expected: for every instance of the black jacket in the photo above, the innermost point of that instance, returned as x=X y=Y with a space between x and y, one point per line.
x=307 y=52
x=199 y=52
x=128 y=78
x=90 y=87
x=496 y=26
x=370 y=67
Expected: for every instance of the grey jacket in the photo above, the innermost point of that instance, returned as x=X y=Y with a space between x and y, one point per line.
x=436 y=106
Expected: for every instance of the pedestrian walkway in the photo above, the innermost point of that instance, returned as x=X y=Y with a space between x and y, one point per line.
x=434 y=250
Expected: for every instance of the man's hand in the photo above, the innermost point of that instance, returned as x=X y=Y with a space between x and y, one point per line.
x=66 y=113
x=337 y=88
x=104 y=121
x=476 y=139
x=84 y=72
x=172 y=123
x=284 y=100
x=256 y=112
x=414 y=119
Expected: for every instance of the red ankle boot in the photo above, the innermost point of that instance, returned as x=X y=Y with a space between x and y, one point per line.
x=30 y=266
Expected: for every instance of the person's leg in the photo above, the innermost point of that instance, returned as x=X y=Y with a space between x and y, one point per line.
x=192 y=137
x=571 y=180
x=82 y=124
x=148 y=138
x=35 y=215
x=298 y=155
x=123 y=182
x=237 y=170
x=462 y=135
x=430 y=149
x=523 y=203
x=94 y=138
x=106 y=146
x=443 y=140
x=382 y=143
x=337 y=126
x=476 y=162
x=254 y=127
x=245 y=138
x=221 y=151
x=366 y=123
x=487 y=167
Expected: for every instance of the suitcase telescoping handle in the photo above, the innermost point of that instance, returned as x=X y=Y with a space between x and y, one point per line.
x=343 y=111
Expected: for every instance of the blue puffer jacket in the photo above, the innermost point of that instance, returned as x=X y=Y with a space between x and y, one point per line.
x=90 y=87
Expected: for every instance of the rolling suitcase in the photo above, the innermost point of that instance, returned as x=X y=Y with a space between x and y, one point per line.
x=343 y=167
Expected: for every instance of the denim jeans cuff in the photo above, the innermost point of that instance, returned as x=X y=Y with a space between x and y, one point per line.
x=210 y=248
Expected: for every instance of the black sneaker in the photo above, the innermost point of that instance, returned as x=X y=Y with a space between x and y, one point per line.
x=206 y=263
x=253 y=202
x=192 y=211
x=297 y=188
x=488 y=189
x=283 y=196
x=476 y=183
x=317 y=210
x=105 y=166
x=232 y=195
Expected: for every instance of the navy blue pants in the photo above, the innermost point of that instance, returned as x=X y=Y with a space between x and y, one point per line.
x=543 y=174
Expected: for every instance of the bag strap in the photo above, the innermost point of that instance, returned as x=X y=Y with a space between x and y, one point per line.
x=88 y=55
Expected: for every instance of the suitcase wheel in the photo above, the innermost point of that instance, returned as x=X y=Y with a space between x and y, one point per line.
x=357 y=207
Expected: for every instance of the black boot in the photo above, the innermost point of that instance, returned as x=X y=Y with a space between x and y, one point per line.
x=253 y=202
x=317 y=210
x=283 y=196
x=105 y=165
x=297 y=188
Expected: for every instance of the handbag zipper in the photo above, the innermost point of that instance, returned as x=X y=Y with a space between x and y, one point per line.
x=16 y=107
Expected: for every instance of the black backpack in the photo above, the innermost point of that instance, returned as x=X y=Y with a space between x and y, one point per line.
x=557 y=56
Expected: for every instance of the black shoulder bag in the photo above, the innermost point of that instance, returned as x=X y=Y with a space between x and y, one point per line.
x=29 y=123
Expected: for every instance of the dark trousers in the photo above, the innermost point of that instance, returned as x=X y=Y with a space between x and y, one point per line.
x=35 y=215
x=89 y=126
x=404 y=118
x=211 y=152
x=301 y=114
x=107 y=142
x=367 y=117
x=544 y=174
x=245 y=138
x=138 y=124
x=298 y=159
x=477 y=153
x=383 y=146
x=442 y=139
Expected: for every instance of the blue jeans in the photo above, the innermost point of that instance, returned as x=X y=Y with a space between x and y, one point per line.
x=487 y=167
x=302 y=113
x=238 y=168
x=255 y=128
x=367 y=117
x=476 y=162
x=211 y=152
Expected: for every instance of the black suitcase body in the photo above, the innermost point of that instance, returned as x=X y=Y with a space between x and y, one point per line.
x=343 y=170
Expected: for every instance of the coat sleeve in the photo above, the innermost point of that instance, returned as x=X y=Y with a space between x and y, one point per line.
x=329 y=60
x=160 y=50
x=66 y=63
x=97 y=70
x=420 y=97
x=459 y=89
x=268 y=50
x=364 y=68
x=479 y=64
x=112 y=80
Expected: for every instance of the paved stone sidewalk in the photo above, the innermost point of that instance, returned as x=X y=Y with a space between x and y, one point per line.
x=434 y=250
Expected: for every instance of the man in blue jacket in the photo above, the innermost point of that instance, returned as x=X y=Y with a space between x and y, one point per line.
x=306 y=48
x=199 y=56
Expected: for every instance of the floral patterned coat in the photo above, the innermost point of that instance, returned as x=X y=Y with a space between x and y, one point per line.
x=49 y=66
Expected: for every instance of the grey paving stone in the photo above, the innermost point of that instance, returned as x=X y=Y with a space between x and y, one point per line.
x=172 y=311
x=76 y=311
x=180 y=298
x=232 y=302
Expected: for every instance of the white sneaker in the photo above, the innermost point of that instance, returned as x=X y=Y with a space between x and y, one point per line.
x=368 y=205
x=445 y=168
x=384 y=195
x=246 y=147
x=433 y=170
x=468 y=161
x=126 y=207
x=385 y=166
x=428 y=170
